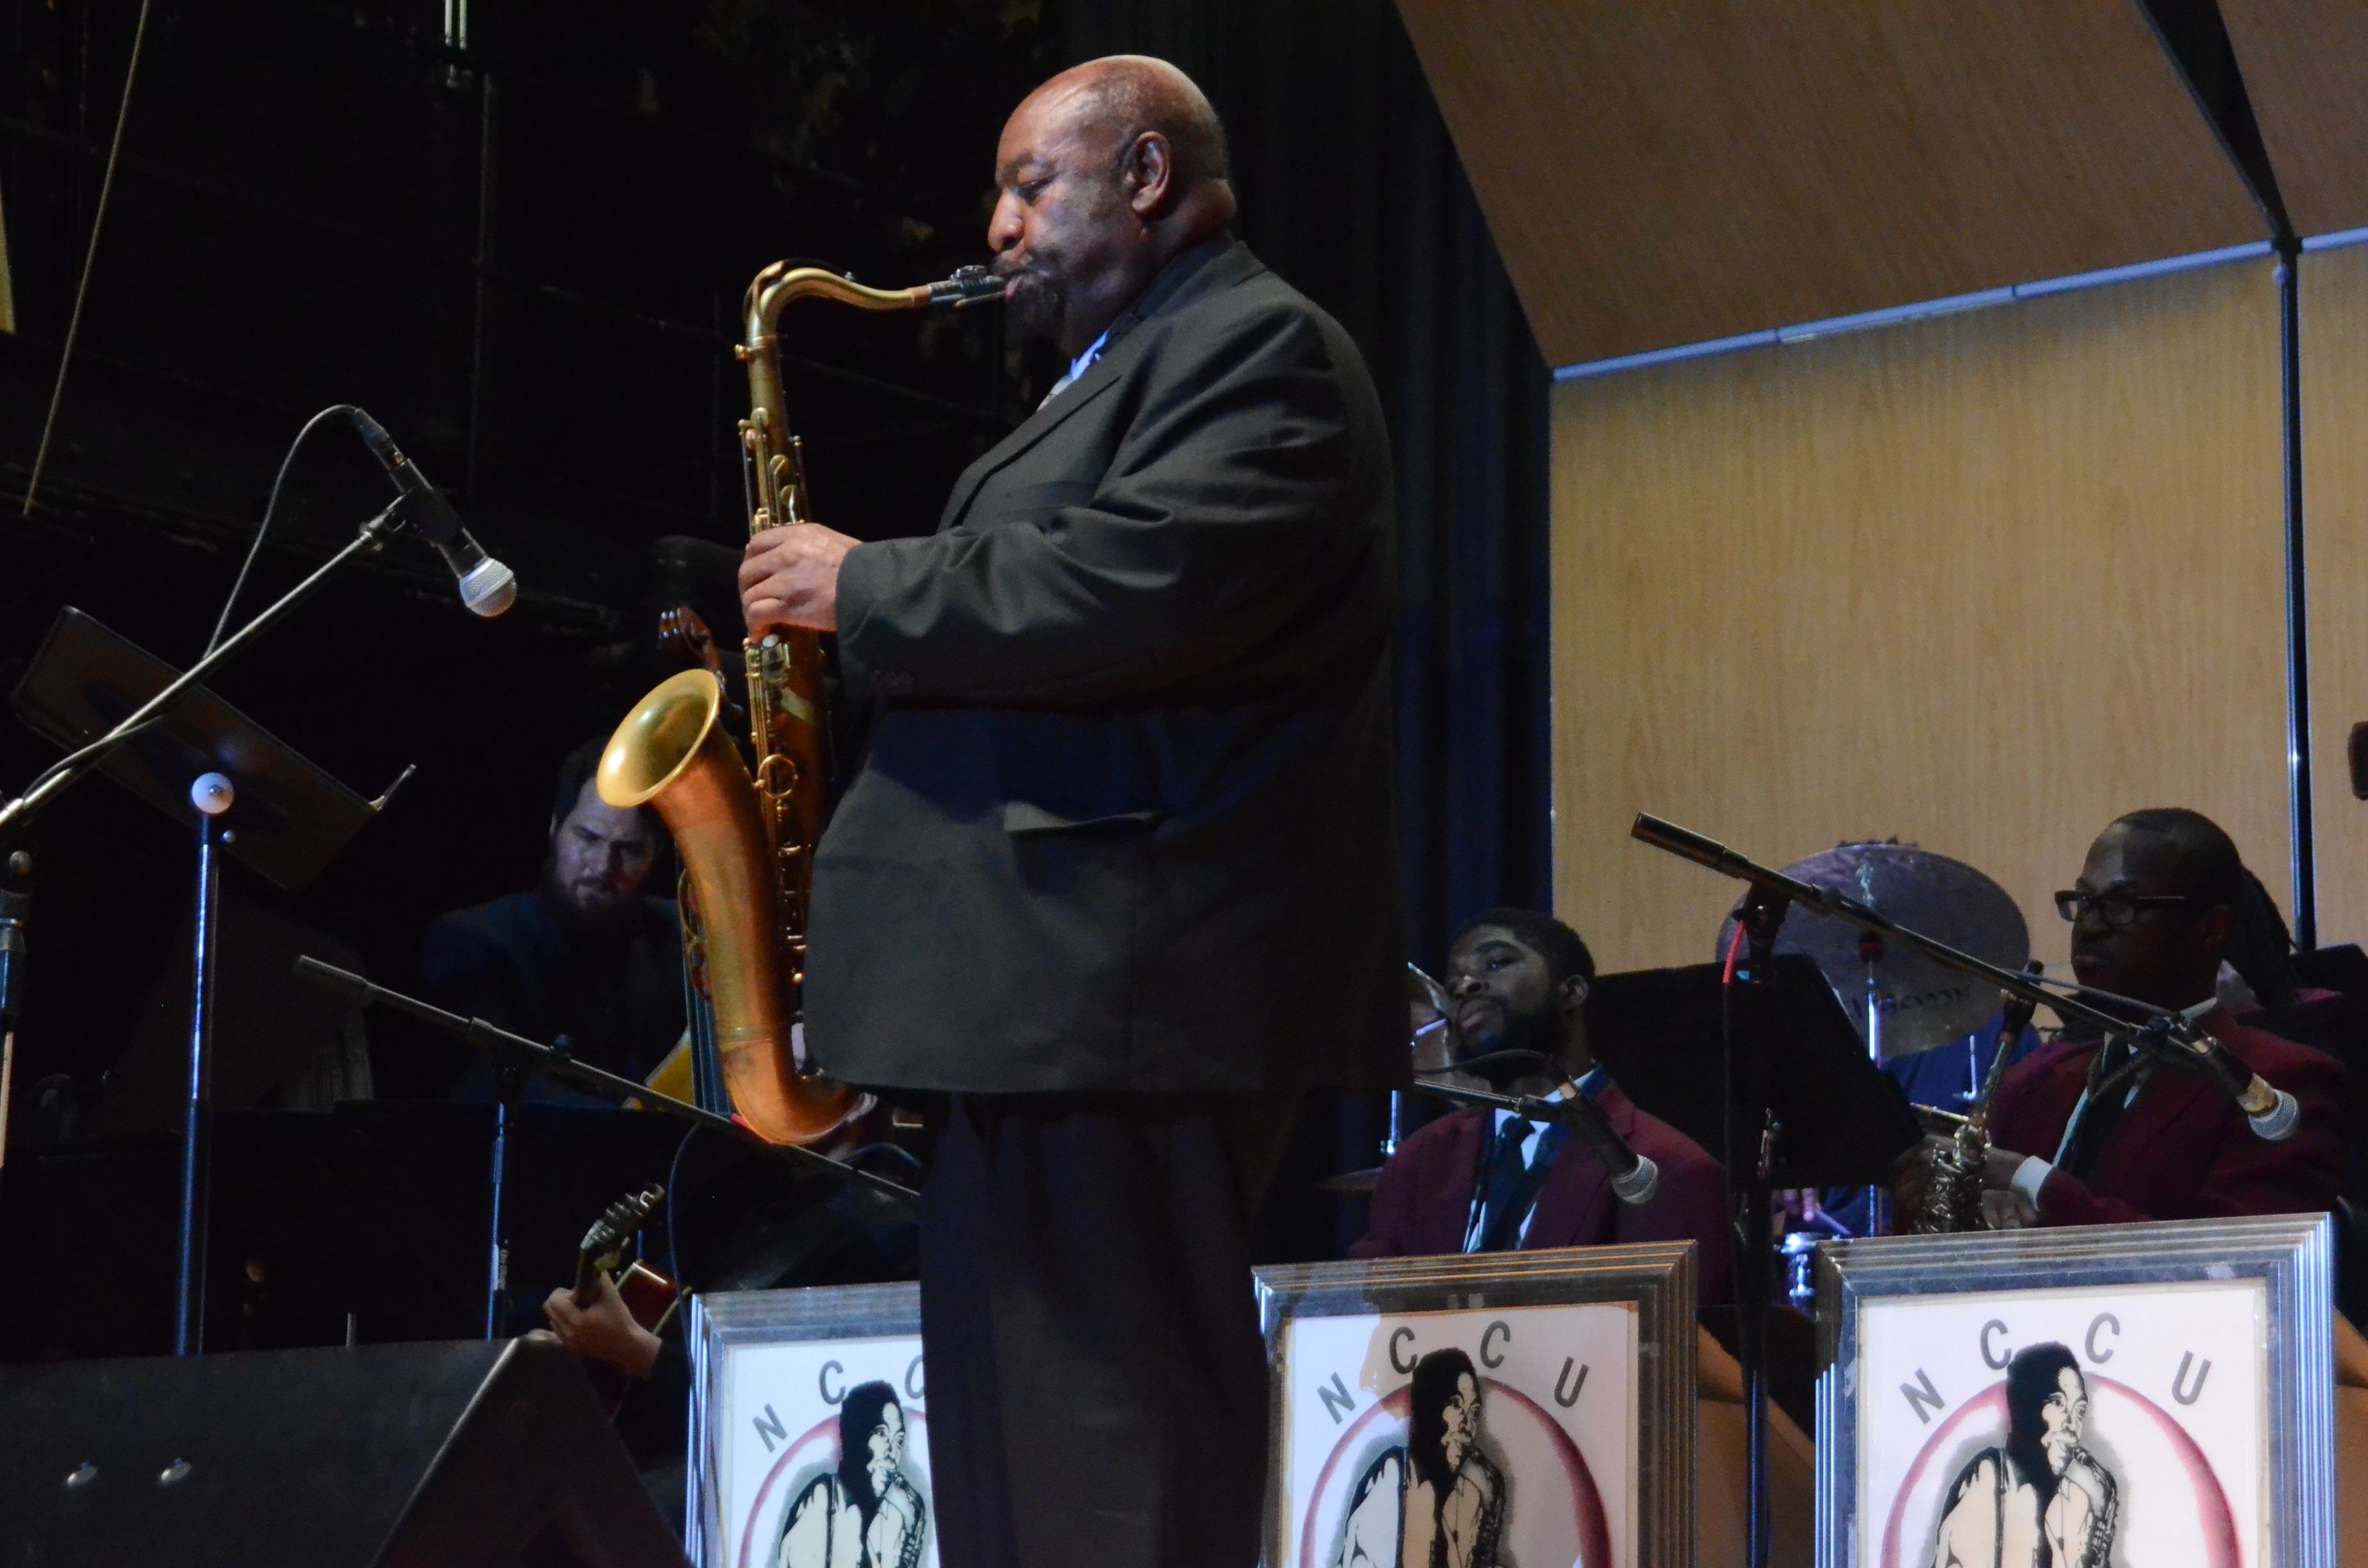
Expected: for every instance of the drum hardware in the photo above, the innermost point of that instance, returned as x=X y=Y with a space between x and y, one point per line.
x=1432 y=1041
x=2272 y=1113
x=1902 y=1000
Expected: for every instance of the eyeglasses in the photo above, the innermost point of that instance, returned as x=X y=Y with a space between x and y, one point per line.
x=2117 y=910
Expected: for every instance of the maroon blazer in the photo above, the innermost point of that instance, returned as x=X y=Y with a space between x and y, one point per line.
x=2183 y=1151
x=1424 y=1201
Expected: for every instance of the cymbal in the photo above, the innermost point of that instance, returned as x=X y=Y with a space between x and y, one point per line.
x=1919 y=1005
x=1352 y=1181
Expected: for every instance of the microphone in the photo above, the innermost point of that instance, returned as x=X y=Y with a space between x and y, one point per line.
x=2269 y=1111
x=1634 y=1177
x=487 y=587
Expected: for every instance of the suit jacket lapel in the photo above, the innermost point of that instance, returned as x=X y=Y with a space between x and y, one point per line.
x=1574 y=1208
x=2049 y=1084
x=2123 y=1164
x=1097 y=378
x=1215 y=264
x=1447 y=1198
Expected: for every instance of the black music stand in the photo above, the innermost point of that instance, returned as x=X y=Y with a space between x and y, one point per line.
x=247 y=795
x=1768 y=1071
x=1842 y=1122
x=291 y=818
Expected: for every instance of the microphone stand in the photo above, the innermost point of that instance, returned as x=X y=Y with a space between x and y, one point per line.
x=1633 y=1176
x=15 y=907
x=517 y=1054
x=1748 y=1136
x=371 y=535
x=2272 y=1112
x=211 y=793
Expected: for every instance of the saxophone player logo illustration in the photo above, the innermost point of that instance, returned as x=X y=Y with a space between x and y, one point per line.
x=863 y=1512
x=1438 y=1497
x=2039 y=1499
x=2106 y=1428
x=1492 y=1438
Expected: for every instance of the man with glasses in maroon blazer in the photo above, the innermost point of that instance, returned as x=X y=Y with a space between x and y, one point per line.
x=2088 y=1132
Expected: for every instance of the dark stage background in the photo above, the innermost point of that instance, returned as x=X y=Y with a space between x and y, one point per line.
x=522 y=252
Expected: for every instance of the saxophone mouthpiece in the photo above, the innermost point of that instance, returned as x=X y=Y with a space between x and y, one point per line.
x=968 y=286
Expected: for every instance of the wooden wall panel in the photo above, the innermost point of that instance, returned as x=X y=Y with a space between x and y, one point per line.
x=2335 y=515
x=2305 y=69
x=1982 y=582
x=1678 y=171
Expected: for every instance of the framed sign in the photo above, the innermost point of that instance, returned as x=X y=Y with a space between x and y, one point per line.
x=2097 y=1397
x=1524 y=1408
x=809 y=1429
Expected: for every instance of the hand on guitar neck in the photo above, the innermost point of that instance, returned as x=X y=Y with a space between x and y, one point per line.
x=613 y=1327
x=602 y=1329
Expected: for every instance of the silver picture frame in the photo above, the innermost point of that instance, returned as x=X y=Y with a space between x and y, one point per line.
x=2121 y=1281
x=1655 y=1282
x=725 y=1325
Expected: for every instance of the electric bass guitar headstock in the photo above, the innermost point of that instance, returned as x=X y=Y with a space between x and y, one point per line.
x=603 y=1247
x=683 y=634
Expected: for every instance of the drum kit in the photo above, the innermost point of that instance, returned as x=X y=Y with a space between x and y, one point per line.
x=1901 y=1002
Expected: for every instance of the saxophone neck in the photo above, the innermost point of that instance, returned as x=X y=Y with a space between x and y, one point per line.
x=777 y=464
x=780 y=284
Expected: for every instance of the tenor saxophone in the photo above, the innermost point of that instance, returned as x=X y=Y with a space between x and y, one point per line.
x=746 y=835
x=1953 y=1192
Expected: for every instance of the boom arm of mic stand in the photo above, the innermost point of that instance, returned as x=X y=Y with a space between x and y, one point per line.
x=583 y=1074
x=1634 y=1177
x=83 y=761
x=2272 y=1113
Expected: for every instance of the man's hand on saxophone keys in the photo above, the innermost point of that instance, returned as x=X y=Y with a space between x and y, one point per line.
x=789 y=576
x=1911 y=1182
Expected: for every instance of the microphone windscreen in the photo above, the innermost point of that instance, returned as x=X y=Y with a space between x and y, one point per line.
x=1639 y=1184
x=2355 y=752
x=2277 y=1124
x=488 y=588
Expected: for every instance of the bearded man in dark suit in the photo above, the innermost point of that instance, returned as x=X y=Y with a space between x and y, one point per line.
x=1116 y=868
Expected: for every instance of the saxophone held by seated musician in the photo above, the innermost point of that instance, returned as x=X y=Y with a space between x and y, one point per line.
x=1952 y=1193
x=746 y=835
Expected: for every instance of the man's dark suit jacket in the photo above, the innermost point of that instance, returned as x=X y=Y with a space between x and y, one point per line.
x=1122 y=819
x=2182 y=1150
x=1424 y=1203
x=515 y=964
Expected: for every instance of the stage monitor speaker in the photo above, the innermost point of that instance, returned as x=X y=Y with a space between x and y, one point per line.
x=473 y=1454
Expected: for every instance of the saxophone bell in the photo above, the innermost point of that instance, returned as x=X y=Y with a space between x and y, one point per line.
x=671 y=753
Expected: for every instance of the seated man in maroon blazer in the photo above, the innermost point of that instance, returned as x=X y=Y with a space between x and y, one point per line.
x=1482 y=1180
x=2084 y=1134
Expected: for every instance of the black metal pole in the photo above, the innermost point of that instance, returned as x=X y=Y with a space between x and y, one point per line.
x=497 y=1258
x=1748 y=1137
x=533 y=1057
x=480 y=299
x=16 y=909
x=2298 y=780
x=213 y=796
